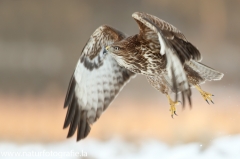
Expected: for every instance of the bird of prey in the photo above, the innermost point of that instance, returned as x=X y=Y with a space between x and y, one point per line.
x=109 y=59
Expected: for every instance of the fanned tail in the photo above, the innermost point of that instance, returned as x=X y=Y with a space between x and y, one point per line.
x=204 y=71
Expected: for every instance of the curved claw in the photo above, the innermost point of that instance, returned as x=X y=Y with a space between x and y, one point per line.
x=207 y=96
x=175 y=113
x=207 y=101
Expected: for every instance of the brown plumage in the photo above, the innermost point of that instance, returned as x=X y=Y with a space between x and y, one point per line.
x=167 y=71
x=109 y=59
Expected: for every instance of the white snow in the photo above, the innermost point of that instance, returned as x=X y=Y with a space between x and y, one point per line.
x=222 y=148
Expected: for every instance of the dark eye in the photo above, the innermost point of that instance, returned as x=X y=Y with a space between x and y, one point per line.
x=116 y=48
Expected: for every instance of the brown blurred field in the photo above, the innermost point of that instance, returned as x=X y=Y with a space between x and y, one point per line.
x=40 y=43
x=40 y=118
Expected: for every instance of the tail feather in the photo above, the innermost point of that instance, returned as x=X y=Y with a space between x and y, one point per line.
x=204 y=71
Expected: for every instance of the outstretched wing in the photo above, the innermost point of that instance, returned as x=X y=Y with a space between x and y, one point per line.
x=95 y=82
x=174 y=45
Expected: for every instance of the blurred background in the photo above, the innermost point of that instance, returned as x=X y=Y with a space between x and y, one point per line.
x=40 y=43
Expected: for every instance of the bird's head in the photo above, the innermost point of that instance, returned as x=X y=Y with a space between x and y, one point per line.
x=116 y=49
x=120 y=51
x=124 y=48
x=125 y=52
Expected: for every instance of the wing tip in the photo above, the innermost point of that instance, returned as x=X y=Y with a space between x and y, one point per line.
x=65 y=125
x=137 y=15
x=79 y=123
x=70 y=91
x=70 y=112
x=85 y=134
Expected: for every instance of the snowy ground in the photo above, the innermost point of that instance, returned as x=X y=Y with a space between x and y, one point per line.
x=222 y=148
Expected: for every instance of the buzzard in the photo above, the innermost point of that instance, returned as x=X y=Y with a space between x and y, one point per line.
x=110 y=59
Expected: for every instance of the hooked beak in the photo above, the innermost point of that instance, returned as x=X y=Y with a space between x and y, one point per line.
x=107 y=48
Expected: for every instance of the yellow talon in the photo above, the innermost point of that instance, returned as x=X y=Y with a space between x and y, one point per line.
x=172 y=106
x=207 y=96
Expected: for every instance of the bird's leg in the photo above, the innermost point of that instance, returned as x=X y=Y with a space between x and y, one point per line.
x=207 y=96
x=172 y=106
